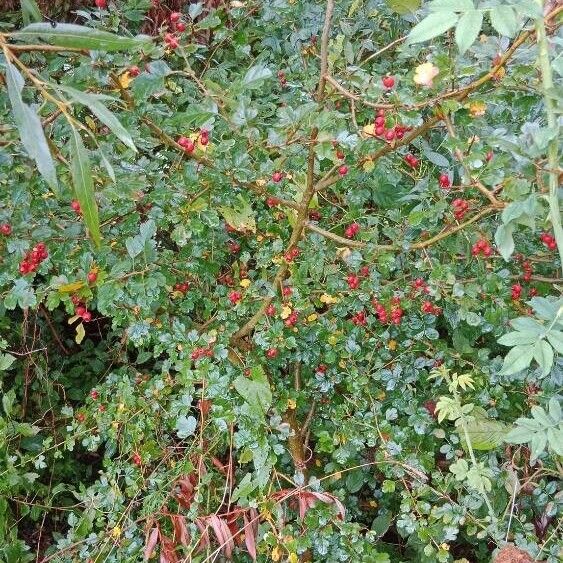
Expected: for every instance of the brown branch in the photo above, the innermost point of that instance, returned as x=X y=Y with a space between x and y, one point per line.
x=46 y=48
x=474 y=181
x=53 y=330
x=416 y=246
x=324 y=49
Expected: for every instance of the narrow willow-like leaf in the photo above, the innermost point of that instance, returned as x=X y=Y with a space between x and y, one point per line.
x=30 y=128
x=30 y=11
x=81 y=171
x=431 y=26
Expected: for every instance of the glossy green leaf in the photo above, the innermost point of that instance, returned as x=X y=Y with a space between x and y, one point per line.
x=467 y=29
x=80 y=37
x=256 y=76
x=81 y=172
x=30 y=128
x=432 y=26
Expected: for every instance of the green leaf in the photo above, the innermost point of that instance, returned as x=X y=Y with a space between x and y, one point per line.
x=185 y=426
x=451 y=5
x=555 y=439
x=519 y=435
x=504 y=240
x=240 y=217
x=484 y=434
x=459 y=469
x=517 y=338
x=93 y=103
x=517 y=359
x=81 y=172
x=537 y=445
x=30 y=11
x=403 y=7
x=30 y=128
x=255 y=390
x=6 y=360
x=527 y=324
x=555 y=409
x=503 y=19
x=431 y=26
x=255 y=76
x=209 y=22
x=80 y=37
x=541 y=416
x=543 y=354
x=468 y=29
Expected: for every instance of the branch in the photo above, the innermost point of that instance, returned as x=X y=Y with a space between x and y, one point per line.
x=324 y=49
x=474 y=181
x=49 y=48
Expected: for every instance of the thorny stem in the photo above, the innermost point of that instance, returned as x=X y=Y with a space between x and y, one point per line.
x=552 y=123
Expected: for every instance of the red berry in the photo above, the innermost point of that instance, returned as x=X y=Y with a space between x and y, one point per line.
x=181 y=27
x=287 y=291
x=352 y=230
x=353 y=281
x=92 y=277
x=340 y=155
x=380 y=113
x=516 y=291
x=343 y=170
x=489 y=156
x=388 y=81
x=75 y=205
x=444 y=181
x=80 y=310
x=235 y=297
x=102 y=4
x=271 y=353
x=277 y=176
x=379 y=121
x=271 y=310
x=171 y=41
x=6 y=229
x=136 y=458
x=314 y=215
x=379 y=130
x=134 y=71
x=175 y=17
x=364 y=271
x=94 y=394
x=81 y=417
x=87 y=316
x=389 y=135
x=272 y=201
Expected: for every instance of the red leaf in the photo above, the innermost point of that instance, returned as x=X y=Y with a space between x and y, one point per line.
x=204 y=540
x=223 y=534
x=185 y=490
x=150 y=543
x=167 y=550
x=250 y=532
x=181 y=533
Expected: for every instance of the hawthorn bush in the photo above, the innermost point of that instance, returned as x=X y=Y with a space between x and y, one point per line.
x=281 y=281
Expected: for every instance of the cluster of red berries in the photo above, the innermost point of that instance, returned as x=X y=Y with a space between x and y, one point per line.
x=33 y=258
x=461 y=207
x=411 y=160
x=6 y=229
x=182 y=287
x=75 y=206
x=199 y=353
x=271 y=353
x=388 y=82
x=80 y=309
x=444 y=181
x=292 y=254
x=360 y=319
x=277 y=176
x=272 y=201
x=515 y=292
x=395 y=313
x=430 y=309
x=481 y=247
x=281 y=78
x=527 y=269
x=189 y=146
x=352 y=230
x=420 y=285
x=102 y=4
x=396 y=132
x=353 y=281
x=235 y=297
x=548 y=240
x=177 y=23
x=291 y=321
x=171 y=41
x=137 y=459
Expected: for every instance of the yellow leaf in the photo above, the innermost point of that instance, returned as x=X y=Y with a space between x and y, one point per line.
x=381 y=395
x=125 y=80
x=244 y=283
x=477 y=109
x=72 y=319
x=70 y=287
x=368 y=165
x=425 y=73
x=116 y=532
x=313 y=317
x=259 y=238
x=276 y=553
x=80 y=333
x=285 y=312
x=328 y=299
x=342 y=364
x=392 y=345
x=368 y=130
x=91 y=123
x=291 y=404
x=292 y=558
x=332 y=340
